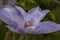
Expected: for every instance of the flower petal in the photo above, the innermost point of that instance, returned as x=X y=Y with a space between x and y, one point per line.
x=12 y=1
x=33 y=10
x=7 y=6
x=6 y=19
x=12 y=28
x=22 y=11
x=37 y=15
x=46 y=27
x=16 y=29
x=12 y=15
x=29 y=29
x=13 y=25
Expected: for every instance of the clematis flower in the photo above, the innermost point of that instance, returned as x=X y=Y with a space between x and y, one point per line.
x=34 y=17
x=20 y=21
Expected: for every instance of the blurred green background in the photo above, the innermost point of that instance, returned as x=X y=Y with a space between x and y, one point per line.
x=54 y=15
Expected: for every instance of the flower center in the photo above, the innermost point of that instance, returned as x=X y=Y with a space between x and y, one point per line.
x=28 y=23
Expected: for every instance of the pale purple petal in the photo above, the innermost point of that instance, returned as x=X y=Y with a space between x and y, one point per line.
x=14 y=9
x=37 y=15
x=12 y=14
x=7 y=6
x=13 y=18
x=12 y=1
x=12 y=24
x=16 y=29
x=33 y=10
x=23 y=12
x=14 y=21
x=6 y=19
x=43 y=28
x=46 y=27
x=30 y=29
x=12 y=28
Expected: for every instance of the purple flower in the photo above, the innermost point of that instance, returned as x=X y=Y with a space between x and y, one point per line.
x=20 y=21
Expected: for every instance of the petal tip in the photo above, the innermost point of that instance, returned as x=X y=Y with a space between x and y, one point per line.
x=12 y=1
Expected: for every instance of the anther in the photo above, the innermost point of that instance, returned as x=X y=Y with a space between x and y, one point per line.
x=28 y=23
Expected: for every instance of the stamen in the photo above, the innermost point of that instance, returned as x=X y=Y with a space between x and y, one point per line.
x=28 y=23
